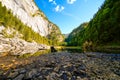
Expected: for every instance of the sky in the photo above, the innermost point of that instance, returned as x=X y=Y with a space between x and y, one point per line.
x=69 y=14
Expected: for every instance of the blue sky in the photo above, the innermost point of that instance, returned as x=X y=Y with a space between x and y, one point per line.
x=69 y=14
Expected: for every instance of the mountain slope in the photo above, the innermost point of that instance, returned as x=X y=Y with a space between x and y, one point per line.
x=103 y=29
x=30 y=15
x=25 y=29
x=16 y=38
x=75 y=38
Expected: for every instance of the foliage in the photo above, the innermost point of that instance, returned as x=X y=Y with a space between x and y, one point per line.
x=55 y=35
x=103 y=29
x=76 y=37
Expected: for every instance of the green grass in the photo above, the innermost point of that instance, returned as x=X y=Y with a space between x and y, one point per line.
x=108 y=48
x=34 y=54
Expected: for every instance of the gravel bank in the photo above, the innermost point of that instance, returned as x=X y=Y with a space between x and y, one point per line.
x=67 y=66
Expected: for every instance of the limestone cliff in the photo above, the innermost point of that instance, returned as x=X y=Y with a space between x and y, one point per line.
x=24 y=28
x=29 y=14
x=12 y=44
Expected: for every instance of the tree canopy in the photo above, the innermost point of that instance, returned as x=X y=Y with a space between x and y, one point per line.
x=103 y=29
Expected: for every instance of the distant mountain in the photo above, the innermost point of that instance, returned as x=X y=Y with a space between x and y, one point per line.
x=66 y=35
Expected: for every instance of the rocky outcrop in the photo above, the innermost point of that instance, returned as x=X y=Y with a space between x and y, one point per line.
x=26 y=10
x=16 y=46
x=29 y=14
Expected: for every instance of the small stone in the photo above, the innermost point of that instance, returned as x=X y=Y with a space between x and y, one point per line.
x=73 y=78
x=69 y=74
x=54 y=75
x=22 y=71
x=78 y=78
x=82 y=67
x=56 y=69
x=13 y=75
x=40 y=77
x=13 y=60
x=81 y=73
x=70 y=68
x=19 y=77
x=31 y=74
x=65 y=66
x=64 y=76
x=48 y=77
x=38 y=74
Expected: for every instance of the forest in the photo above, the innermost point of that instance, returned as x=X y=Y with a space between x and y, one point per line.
x=103 y=29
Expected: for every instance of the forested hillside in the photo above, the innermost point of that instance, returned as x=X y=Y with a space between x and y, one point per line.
x=76 y=37
x=103 y=29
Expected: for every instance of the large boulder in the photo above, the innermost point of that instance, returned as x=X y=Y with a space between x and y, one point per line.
x=16 y=46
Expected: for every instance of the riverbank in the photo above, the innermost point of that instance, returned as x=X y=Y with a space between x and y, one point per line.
x=108 y=49
x=63 y=66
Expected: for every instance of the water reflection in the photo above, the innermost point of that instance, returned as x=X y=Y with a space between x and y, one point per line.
x=65 y=49
x=70 y=50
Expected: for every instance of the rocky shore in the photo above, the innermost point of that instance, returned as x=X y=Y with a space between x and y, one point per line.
x=17 y=46
x=64 y=66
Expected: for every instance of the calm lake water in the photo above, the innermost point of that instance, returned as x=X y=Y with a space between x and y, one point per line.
x=70 y=50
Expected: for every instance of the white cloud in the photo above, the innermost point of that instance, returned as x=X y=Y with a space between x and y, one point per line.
x=62 y=8
x=54 y=3
x=50 y=0
x=59 y=8
x=70 y=1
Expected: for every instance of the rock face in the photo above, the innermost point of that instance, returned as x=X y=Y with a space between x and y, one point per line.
x=16 y=46
x=29 y=14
